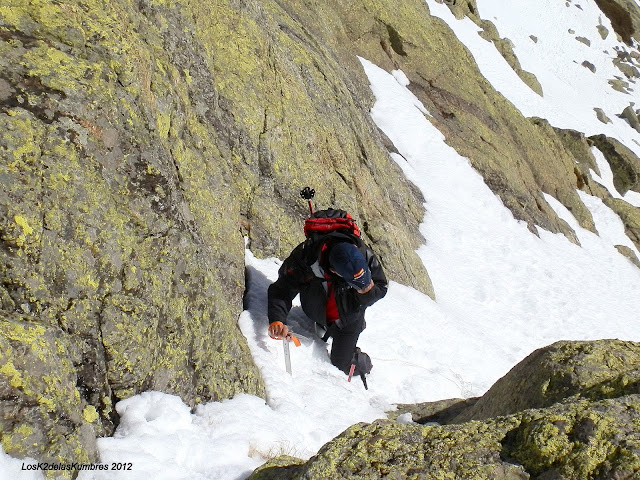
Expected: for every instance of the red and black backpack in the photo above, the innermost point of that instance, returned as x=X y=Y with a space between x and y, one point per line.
x=326 y=221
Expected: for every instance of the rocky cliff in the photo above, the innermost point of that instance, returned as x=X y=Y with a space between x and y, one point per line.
x=142 y=143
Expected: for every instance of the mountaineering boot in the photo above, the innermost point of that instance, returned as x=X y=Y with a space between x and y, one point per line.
x=362 y=361
x=360 y=365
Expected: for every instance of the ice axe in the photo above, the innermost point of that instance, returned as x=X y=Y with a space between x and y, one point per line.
x=285 y=344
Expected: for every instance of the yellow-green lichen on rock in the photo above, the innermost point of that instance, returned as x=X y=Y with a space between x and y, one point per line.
x=594 y=370
x=578 y=440
x=587 y=426
x=42 y=413
x=303 y=122
x=103 y=240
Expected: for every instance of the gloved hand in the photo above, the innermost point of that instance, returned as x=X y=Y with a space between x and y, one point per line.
x=278 y=330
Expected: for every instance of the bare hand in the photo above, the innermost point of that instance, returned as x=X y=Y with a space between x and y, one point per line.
x=366 y=289
x=278 y=330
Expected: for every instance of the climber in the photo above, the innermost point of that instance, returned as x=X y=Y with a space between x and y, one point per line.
x=337 y=277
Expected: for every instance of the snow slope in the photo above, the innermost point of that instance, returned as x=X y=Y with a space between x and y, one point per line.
x=501 y=291
x=571 y=91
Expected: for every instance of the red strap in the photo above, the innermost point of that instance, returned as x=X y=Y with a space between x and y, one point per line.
x=332 y=307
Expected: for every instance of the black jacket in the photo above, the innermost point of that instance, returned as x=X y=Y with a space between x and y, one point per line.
x=299 y=274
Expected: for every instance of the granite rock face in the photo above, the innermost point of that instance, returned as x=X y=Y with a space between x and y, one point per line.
x=140 y=144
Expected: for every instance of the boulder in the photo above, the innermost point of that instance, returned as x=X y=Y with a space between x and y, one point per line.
x=569 y=441
x=630 y=216
x=594 y=370
x=569 y=411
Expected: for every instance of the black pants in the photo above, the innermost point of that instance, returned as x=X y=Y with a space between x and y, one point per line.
x=344 y=344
